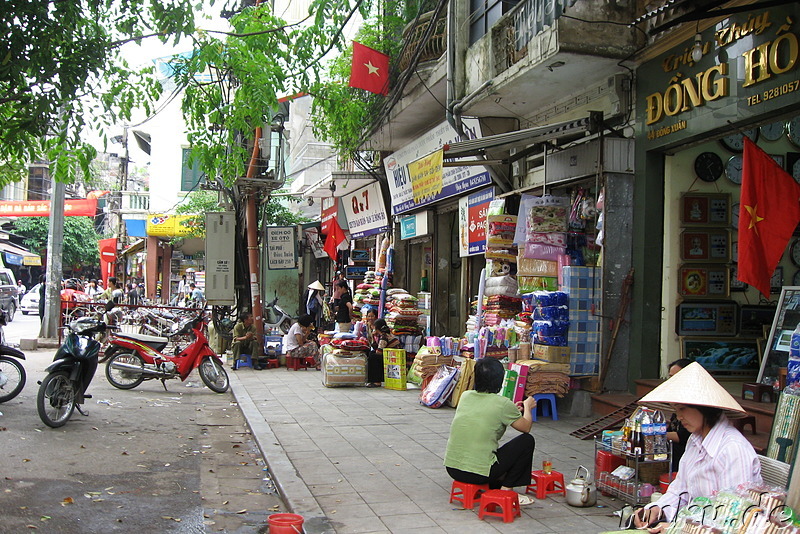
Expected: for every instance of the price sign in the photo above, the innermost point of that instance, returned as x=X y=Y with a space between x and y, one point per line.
x=281 y=251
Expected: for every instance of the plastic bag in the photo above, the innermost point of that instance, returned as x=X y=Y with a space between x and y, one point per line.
x=440 y=387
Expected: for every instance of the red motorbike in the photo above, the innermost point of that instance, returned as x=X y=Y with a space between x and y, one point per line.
x=134 y=358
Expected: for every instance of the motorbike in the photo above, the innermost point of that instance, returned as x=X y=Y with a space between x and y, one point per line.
x=134 y=358
x=64 y=388
x=12 y=372
x=282 y=320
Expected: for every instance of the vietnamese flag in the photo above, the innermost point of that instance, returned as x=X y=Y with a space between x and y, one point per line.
x=769 y=211
x=335 y=238
x=370 y=70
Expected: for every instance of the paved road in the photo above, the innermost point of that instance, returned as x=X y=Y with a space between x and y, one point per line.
x=144 y=460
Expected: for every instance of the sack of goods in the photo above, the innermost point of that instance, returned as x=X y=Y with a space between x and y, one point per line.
x=344 y=371
x=440 y=387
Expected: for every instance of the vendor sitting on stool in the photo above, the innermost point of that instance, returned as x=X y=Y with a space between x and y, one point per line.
x=297 y=341
x=244 y=339
x=482 y=416
x=717 y=456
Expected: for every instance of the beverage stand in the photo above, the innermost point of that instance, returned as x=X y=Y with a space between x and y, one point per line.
x=646 y=471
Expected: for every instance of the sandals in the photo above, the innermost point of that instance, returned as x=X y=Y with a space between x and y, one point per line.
x=525 y=500
x=372 y=385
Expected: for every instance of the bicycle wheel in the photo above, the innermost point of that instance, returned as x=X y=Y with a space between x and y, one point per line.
x=121 y=370
x=12 y=378
x=213 y=375
x=56 y=399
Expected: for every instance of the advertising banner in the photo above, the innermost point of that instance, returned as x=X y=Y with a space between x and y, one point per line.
x=80 y=207
x=454 y=180
x=161 y=225
x=365 y=213
x=472 y=222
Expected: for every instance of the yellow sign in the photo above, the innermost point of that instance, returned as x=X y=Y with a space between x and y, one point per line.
x=32 y=260
x=169 y=225
x=426 y=176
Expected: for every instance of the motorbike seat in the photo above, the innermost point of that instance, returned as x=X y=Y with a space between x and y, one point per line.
x=156 y=342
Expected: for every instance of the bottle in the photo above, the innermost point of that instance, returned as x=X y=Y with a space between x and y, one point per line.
x=423 y=282
x=648 y=433
x=637 y=441
x=660 y=445
x=626 y=436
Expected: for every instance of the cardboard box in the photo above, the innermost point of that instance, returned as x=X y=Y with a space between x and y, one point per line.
x=509 y=384
x=532 y=267
x=550 y=353
x=394 y=369
x=522 y=380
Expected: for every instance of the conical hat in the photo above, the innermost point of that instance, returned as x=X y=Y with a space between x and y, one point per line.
x=693 y=385
x=316 y=285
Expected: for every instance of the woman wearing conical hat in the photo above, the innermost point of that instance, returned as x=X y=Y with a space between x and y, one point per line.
x=717 y=455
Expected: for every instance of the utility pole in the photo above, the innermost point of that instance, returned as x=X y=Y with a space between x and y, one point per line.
x=55 y=249
x=252 y=247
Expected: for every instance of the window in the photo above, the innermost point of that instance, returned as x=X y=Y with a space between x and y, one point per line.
x=190 y=176
x=484 y=14
x=39 y=182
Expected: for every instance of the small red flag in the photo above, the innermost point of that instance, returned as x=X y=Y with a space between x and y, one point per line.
x=334 y=239
x=769 y=211
x=370 y=70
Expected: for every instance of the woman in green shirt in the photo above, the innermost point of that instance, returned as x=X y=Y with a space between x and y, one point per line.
x=481 y=419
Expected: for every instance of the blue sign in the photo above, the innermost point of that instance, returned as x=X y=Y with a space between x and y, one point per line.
x=355 y=272
x=408 y=227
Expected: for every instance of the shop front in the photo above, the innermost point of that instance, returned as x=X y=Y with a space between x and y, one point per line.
x=696 y=101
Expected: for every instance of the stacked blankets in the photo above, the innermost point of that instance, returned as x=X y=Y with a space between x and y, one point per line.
x=402 y=312
x=427 y=361
x=499 y=307
x=546 y=377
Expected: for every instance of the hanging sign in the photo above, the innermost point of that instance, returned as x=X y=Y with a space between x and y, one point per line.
x=472 y=222
x=415 y=225
x=169 y=225
x=454 y=180
x=83 y=207
x=365 y=213
x=281 y=250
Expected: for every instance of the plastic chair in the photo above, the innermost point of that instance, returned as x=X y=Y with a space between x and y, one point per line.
x=548 y=408
x=506 y=500
x=465 y=493
x=546 y=484
x=245 y=360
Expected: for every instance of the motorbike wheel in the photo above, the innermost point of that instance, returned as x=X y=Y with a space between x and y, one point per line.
x=12 y=378
x=56 y=399
x=125 y=378
x=214 y=375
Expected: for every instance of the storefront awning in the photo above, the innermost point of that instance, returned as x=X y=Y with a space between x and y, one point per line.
x=573 y=129
x=14 y=255
x=345 y=183
x=137 y=246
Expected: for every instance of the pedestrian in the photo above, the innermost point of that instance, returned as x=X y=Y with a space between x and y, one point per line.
x=92 y=290
x=180 y=294
x=42 y=294
x=134 y=297
x=113 y=291
x=196 y=296
x=20 y=288
x=313 y=301
x=473 y=454
x=676 y=433
x=244 y=340
x=342 y=303
x=297 y=342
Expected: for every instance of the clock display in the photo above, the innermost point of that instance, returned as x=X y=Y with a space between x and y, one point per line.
x=733 y=169
x=708 y=166
x=793 y=130
x=735 y=142
x=773 y=131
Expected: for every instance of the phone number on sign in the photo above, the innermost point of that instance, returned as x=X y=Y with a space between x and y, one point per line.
x=769 y=94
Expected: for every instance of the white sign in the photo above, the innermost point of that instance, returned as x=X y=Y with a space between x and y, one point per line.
x=455 y=180
x=364 y=211
x=281 y=250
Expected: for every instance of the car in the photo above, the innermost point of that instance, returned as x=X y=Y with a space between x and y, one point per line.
x=30 y=301
x=9 y=293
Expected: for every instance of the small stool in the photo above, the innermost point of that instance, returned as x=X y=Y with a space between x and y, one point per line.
x=546 y=484
x=546 y=408
x=741 y=422
x=507 y=500
x=293 y=363
x=309 y=362
x=758 y=392
x=244 y=360
x=465 y=493
x=273 y=363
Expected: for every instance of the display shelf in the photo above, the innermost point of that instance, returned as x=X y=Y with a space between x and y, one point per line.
x=628 y=490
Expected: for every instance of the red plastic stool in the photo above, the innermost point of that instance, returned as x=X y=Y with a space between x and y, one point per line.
x=465 y=493
x=507 y=500
x=546 y=484
x=293 y=363
x=273 y=363
x=309 y=362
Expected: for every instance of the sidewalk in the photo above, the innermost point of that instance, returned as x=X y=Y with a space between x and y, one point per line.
x=355 y=460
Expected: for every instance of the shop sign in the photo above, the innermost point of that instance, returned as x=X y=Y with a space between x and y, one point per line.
x=81 y=207
x=472 y=222
x=161 y=225
x=747 y=67
x=281 y=249
x=32 y=261
x=355 y=272
x=415 y=225
x=454 y=180
x=329 y=210
x=365 y=212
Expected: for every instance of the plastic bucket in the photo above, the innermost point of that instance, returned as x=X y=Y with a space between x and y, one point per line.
x=664 y=480
x=285 y=524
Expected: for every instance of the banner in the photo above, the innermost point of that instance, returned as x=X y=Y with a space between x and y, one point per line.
x=168 y=225
x=365 y=212
x=472 y=222
x=426 y=177
x=80 y=207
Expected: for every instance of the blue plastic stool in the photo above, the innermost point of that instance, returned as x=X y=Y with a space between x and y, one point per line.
x=546 y=408
x=245 y=360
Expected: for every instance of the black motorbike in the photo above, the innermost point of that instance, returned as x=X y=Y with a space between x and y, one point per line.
x=12 y=373
x=72 y=370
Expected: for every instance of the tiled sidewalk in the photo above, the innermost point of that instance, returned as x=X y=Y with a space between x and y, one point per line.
x=354 y=460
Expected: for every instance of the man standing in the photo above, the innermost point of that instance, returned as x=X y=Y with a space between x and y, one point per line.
x=197 y=296
x=244 y=340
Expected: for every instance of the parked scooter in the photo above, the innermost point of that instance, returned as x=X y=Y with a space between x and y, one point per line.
x=282 y=320
x=138 y=357
x=12 y=373
x=72 y=370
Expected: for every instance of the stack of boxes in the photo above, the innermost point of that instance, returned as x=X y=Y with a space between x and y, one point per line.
x=583 y=285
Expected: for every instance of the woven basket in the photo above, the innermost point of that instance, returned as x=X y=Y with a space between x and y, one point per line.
x=649 y=472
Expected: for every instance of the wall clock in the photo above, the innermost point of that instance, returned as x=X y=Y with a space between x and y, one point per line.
x=793 y=131
x=708 y=166
x=773 y=131
x=733 y=169
x=794 y=253
x=735 y=141
x=735 y=215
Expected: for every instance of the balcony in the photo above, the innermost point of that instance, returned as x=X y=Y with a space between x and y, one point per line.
x=413 y=35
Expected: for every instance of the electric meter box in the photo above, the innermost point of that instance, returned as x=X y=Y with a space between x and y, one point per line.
x=220 y=254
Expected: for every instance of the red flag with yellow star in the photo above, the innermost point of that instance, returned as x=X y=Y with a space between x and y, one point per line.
x=370 y=70
x=769 y=211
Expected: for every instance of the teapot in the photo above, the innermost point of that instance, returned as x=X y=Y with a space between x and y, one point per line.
x=581 y=491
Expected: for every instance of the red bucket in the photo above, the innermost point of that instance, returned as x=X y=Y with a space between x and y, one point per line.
x=664 y=481
x=285 y=524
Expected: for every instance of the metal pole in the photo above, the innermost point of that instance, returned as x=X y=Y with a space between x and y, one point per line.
x=252 y=249
x=55 y=249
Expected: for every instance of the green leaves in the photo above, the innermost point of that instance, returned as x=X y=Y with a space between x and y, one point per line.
x=80 y=238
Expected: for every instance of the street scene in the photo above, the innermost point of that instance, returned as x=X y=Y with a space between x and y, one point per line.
x=355 y=266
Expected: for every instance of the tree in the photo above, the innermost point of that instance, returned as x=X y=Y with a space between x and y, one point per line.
x=80 y=239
